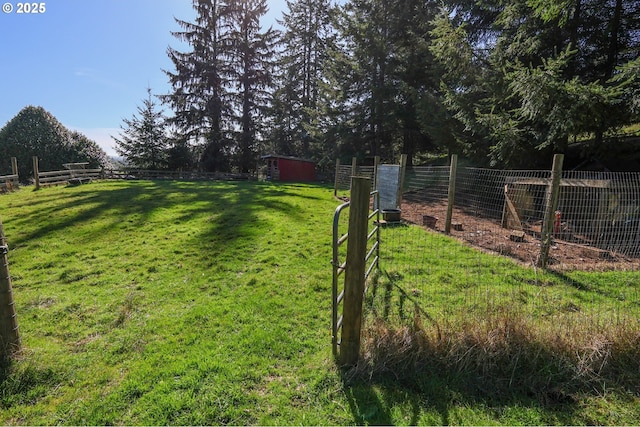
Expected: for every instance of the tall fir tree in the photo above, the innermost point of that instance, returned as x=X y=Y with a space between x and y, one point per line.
x=251 y=73
x=381 y=69
x=303 y=51
x=365 y=28
x=200 y=97
x=143 y=140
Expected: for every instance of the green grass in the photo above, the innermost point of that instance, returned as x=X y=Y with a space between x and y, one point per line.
x=145 y=302
x=450 y=277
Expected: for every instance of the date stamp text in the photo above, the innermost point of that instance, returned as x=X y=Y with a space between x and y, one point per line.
x=34 y=8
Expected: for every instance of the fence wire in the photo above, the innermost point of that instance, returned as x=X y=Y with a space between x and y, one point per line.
x=596 y=227
x=344 y=174
x=601 y=210
x=596 y=224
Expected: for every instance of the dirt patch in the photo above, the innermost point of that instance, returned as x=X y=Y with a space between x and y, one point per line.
x=489 y=235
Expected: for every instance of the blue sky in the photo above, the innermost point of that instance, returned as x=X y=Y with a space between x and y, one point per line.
x=89 y=62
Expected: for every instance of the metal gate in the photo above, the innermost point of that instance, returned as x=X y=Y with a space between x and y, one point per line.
x=371 y=261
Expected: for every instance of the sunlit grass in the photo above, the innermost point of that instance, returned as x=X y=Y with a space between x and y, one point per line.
x=168 y=303
x=181 y=303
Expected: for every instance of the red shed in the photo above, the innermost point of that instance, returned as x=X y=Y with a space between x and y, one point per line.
x=285 y=168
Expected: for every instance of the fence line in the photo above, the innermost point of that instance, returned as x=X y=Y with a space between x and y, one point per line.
x=343 y=174
x=597 y=211
x=451 y=282
x=9 y=331
x=130 y=173
x=78 y=176
x=596 y=226
x=356 y=262
x=10 y=182
x=76 y=173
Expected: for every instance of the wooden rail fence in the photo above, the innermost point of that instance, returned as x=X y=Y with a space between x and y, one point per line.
x=10 y=182
x=75 y=173
x=174 y=175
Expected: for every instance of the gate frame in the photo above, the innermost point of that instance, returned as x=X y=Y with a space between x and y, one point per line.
x=356 y=270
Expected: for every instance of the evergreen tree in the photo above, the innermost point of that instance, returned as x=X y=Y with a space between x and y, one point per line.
x=84 y=149
x=295 y=104
x=143 y=140
x=418 y=102
x=381 y=68
x=180 y=154
x=365 y=26
x=200 y=99
x=252 y=74
x=525 y=76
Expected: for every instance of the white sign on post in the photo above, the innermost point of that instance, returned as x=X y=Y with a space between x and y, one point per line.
x=388 y=183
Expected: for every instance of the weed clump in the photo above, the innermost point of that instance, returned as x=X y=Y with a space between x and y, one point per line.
x=502 y=354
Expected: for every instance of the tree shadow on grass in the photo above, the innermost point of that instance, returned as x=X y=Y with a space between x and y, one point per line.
x=609 y=292
x=202 y=220
x=235 y=205
x=437 y=395
x=79 y=205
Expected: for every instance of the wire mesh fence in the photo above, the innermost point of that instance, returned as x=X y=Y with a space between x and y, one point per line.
x=595 y=227
x=596 y=224
x=343 y=176
x=601 y=210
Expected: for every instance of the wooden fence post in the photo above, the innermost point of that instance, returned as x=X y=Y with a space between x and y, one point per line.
x=403 y=170
x=9 y=336
x=355 y=270
x=14 y=168
x=551 y=203
x=453 y=170
x=36 y=172
x=337 y=180
x=376 y=163
x=354 y=167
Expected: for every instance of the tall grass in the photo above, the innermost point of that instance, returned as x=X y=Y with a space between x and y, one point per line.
x=506 y=354
x=499 y=328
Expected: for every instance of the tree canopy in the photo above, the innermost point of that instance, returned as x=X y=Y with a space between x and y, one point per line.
x=505 y=83
x=36 y=132
x=526 y=76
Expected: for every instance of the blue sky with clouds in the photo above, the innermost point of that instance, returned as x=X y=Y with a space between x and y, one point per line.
x=89 y=62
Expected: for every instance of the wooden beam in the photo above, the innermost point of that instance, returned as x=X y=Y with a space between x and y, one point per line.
x=451 y=193
x=9 y=335
x=355 y=271
x=335 y=185
x=551 y=204
x=511 y=211
x=586 y=183
x=403 y=170
x=36 y=172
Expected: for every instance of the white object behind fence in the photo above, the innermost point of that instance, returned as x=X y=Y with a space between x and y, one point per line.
x=388 y=185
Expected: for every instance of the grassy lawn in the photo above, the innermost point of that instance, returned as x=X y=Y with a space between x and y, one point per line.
x=156 y=303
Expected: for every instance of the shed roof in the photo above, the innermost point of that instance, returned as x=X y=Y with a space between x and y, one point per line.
x=277 y=156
